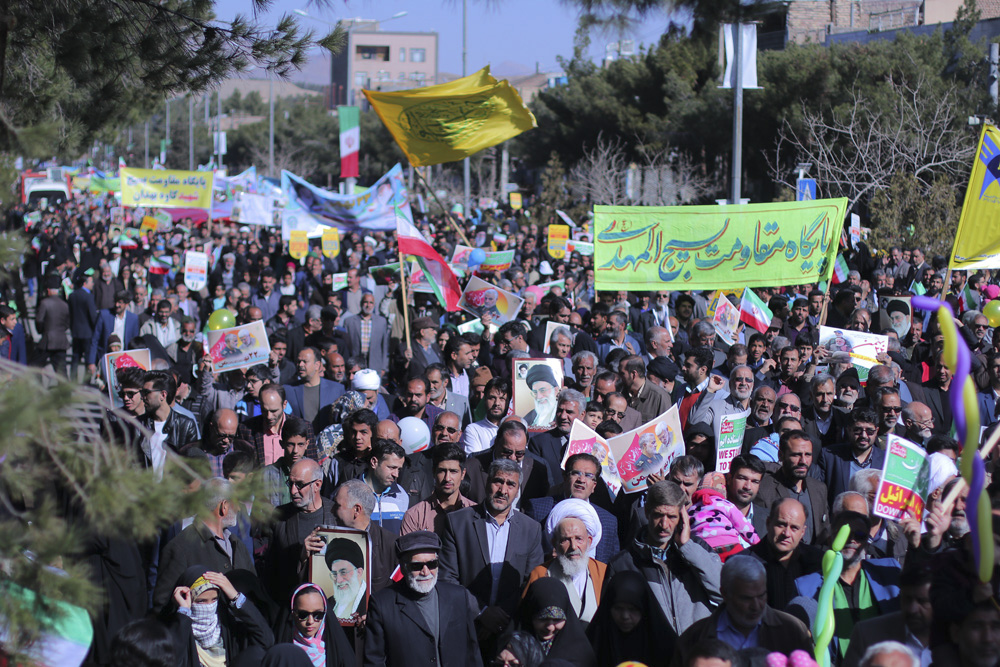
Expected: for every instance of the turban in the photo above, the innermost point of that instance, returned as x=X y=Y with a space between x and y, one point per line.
x=540 y=373
x=942 y=469
x=341 y=548
x=366 y=380
x=576 y=509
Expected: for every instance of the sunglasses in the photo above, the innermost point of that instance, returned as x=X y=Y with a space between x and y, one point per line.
x=613 y=413
x=294 y=483
x=446 y=429
x=303 y=615
x=128 y=394
x=417 y=567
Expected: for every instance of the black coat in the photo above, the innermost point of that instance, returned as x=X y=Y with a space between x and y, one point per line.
x=82 y=314
x=535 y=482
x=465 y=555
x=398 y=635
x=241 y=629
x=179 y=429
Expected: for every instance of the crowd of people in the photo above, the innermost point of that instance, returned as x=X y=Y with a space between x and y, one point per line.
x=487 y=547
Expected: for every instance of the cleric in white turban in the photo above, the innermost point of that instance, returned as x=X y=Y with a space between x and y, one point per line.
x=367 y=382
x=574 y=531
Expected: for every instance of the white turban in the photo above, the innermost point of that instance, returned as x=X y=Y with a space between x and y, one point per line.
x=366 y=380
x=575 y=508
x=942 y=469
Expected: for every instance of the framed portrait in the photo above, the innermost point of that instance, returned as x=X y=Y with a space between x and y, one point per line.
x=537 y=383
x=342 y=570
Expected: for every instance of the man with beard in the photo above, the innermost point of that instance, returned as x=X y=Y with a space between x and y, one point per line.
x=947 y=531
x=696 y=372
x=648 y=398
x=369 y=335
x=759 y=420
x=497 y=574
x=575 y=532
x=353 y=504
x=444 y=398
x=346 y=563
x=798 y=321
x=551 y=444
x=448 y=462
x=169 y=430
x=221 y=439
x=295 y=539
x=421 y=620
x=163 y=328
x=479 y=436
x=791 y=480
x=186 y=352
x=866 y=588
x=989 y=399
x=207 y=541
x=543 y=386
x=313 y=391
x=264 y=430
x=412 y=402
x=294 y=438
x=608 y=384
x=840 y=462
x=734 y=402
x=117 y=320
x=784 y=555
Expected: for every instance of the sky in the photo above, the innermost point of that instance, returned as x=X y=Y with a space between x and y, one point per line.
x=514 y=36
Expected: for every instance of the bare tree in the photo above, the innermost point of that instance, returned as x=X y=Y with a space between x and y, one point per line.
x=600 y=177
x=857 y=151
x=298 y=161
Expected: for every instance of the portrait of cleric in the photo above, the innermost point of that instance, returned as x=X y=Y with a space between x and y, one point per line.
x=536 y=389
x=341 y=570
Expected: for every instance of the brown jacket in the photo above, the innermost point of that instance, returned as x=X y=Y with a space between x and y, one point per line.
x=595 y=567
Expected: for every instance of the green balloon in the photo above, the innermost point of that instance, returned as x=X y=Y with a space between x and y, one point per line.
x=221 y=319
x=992 y=312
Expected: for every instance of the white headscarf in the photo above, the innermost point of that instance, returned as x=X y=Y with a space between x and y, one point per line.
x=576 y=509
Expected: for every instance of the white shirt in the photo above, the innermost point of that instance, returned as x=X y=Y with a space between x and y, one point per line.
x=157 y=453
x=119 y=330
x=479 y=437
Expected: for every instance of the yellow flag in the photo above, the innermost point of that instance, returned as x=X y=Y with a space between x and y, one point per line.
x=451 y=121
x=298 y=243
x=977 y=242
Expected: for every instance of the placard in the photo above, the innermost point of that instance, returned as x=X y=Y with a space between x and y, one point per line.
x=537 y=383
x=584 y=440
x=331 y=242
x=729 y=439
x=896 y=313
x=124 y=359
x=726 y=320
x=496 y=260
x=648 y=450
x=342 y=569
x=481 y=297
x=239 y=347
x=558 y=238
x=864 y=348
x=298 y=243
x=905 y=481
x=195 y=270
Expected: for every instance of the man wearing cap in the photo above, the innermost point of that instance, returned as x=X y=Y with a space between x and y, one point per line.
x=83 y=318
x=119 y=322
x=421 y=620
x=424 y=350
x=313 y=391
x=544 y=388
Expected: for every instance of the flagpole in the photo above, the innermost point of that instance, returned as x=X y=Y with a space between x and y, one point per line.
x=447 y=215
x=406 y=303
x=826 y=300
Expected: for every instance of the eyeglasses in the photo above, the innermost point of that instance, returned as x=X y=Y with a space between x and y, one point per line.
x=892 y=408
x=614 y=413
x=507 y=453
x=145 y=392
x=128 y=394
x=296 y=484
x=858 y=430
x=417 y=567
x=980 y=326
x=446 y=429
x=302 y=615
x=581 y=473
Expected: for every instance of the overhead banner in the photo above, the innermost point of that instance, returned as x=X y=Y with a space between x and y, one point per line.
x=251 y=209
x=371 y=209
x=164 y=188
x=977 y=241
x=713 y=247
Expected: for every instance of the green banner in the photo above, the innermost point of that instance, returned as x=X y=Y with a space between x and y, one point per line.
x=714 y=247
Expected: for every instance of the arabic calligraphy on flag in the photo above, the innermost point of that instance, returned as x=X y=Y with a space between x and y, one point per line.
x=164 y=188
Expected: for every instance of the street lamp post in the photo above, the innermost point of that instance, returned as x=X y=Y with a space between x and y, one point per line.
x=466 y=168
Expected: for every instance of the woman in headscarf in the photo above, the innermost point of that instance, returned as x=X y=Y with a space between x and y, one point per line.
x=521 y=649
x=546 y=613
x=213 y=623
x=630 y=625
x=310 y=629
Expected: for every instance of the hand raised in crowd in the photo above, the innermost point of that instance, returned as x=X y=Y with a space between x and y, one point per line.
x=683 y=531
x=314 y=543
x=937 y=523
x=769 y=364
x=911 y=529
x=182 y=596
x=715 y=383
x=487 y=321
x=408 y=354
x=223 y=583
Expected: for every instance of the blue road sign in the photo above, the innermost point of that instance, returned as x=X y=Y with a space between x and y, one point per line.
x=805 y=189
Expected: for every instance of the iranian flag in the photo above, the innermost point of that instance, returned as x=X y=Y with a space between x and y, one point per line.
x=161 y=265
x=965 y=300
x=755 y=312
x=839 y=270
x=436 y=271
x=350 y=141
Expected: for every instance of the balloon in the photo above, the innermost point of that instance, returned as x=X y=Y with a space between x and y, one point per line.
x=992 y=312
x=414 y=434
x=476 y=257
x=823 y=625
x=221 y=319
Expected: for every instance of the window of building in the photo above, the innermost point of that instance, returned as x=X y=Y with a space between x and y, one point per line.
x=383 y=75
x=418 y=55
x=360 y=79
x=402 y=76
x=419 y=77
x=402 y=54
x=376 y=53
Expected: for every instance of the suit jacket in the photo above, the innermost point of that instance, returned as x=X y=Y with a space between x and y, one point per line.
x=540 y=508
x=534 y=476
x=397 y=633
x=18 y=347
x=773 y=489
x=835 y=466
x=82 y=313
x=891 y=627
x=329 y=391
x=465 y=556
x=777 y=631
x=548 y=446
x=378 y=347
x=196 y=545
x=420 y=362
x=52 y=321
x=104 y=293
x=651 y=401
x=987 y=407
x=459 y=405
x=105 y=327
x=937 y=402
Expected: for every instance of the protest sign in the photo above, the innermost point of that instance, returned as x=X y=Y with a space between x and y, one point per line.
x=709 y=247
x=497 y=261
x=165 y=220
x=373 y=209
x=298 y=244
x=252 y=209
x=729 y=439
x=863 y=348
x=536 y=384
x=481 y=297
x=584 y=440
x=565 y=218
x=905 y=481
x=339 y=282
x=726 y=320
x=460 y=256
x=238 y=347
x=558 y=238
x=977 y=241
x=515 y=200
x=895 y=313
x=299 y=221
x=476 y=327
x=647 y=450
x=381 y=274
x=550 y=328
x=195 y=270
x=124 y=359
x=163 y=188
x=149 y=224
x=583 y=247
x=331 y=242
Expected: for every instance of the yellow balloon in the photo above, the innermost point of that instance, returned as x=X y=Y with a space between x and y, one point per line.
x=221 y=319
x=992 y=312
